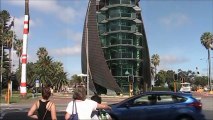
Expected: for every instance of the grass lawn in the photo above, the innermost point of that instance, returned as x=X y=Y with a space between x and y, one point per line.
x=16 y=97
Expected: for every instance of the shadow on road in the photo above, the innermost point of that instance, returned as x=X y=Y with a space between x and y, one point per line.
x=23 y=116
x=20 y=115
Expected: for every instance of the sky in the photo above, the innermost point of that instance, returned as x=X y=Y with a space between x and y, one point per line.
x=173 y=30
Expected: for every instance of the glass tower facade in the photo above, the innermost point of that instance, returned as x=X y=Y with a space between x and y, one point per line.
x=123 y=41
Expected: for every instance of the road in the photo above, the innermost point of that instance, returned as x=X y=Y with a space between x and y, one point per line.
x=14 y=111
x=11 y=111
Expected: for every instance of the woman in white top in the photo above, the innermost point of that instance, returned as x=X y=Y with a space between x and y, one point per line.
x=84 y=106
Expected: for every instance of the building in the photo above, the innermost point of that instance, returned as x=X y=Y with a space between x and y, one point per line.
x=114 y=43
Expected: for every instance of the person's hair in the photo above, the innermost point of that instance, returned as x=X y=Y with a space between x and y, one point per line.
x=46 y=92
x=79 y=93
x=96 y=98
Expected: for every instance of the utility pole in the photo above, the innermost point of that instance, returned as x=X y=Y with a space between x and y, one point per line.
x=23 y=86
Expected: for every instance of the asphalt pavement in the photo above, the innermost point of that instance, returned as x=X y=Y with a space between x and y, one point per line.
x=18 y=111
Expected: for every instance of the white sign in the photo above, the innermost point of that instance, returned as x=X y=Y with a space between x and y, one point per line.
x=37 y=83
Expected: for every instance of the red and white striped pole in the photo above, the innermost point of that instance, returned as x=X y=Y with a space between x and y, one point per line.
x=23 y=86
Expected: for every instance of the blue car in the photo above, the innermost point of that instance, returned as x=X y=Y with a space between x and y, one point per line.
x=158 y=106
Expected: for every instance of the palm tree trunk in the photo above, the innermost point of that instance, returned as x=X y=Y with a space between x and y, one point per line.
x=209 y=60
x=19 y=61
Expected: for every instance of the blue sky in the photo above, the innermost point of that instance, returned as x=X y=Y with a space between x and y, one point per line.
x=173 y=29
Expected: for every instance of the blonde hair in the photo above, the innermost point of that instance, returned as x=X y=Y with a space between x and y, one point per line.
x=79 y=93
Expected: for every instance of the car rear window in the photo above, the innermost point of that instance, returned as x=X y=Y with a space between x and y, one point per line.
x=168 y=99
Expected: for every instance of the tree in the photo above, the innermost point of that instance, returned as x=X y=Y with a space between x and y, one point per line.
x=43 y=67
x=76 y=79
x=31 y=74
x=201 y=81
x=50 y=72
x=59 y=77
x=18 y=44
x=155 y=60
x=162 y=75
x=6 y=38
x=207 y=40
x=42 y=52
x=170 y=79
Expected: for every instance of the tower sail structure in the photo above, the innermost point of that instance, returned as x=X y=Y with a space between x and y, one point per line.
x=93 y=56
x=23 y=85
x=118 y=51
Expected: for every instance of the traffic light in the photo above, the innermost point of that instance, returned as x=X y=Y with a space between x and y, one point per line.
x=130 y=78
x=13 y=77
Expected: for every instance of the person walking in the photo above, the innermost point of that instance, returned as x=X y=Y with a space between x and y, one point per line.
x=45 y=108
x=84 y=107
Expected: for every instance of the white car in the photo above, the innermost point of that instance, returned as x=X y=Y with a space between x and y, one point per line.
x=185 y=87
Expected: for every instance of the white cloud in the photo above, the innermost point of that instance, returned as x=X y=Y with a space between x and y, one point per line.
x=72 y=35
x=19 y=26
x=65 y=14
x=167 y=62
x=174 y=20
x=75 y=50
x=171 y=59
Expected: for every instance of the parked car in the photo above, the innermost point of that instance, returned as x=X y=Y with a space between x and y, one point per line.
x=158 y=106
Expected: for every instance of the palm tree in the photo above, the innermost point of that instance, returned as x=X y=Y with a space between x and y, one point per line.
x=207 y=40
x=42 y=52
x=18 y=43
x=7 y=40
x=49 y=72
x=31 y=73
x=43 y=67
x=155 y=60
x=61 y=79
x=58 y=76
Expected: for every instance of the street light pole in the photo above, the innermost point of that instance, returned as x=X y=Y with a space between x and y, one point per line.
x=87 y=49
x=131 y=81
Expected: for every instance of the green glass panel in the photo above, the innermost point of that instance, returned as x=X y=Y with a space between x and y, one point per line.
x=114 y=12
x=113 y=2
x=125 y=1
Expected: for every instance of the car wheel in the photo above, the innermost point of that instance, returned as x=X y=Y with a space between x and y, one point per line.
x=185 y=118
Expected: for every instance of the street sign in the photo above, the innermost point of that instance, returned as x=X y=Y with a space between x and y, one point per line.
x=37 y=83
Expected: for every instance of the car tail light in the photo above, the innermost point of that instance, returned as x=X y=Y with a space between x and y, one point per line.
x=197 y=105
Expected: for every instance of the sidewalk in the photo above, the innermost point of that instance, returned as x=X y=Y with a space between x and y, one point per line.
x=203 y=93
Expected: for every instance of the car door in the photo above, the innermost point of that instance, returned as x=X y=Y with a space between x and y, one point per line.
x=162 y=109
x=134 y=109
